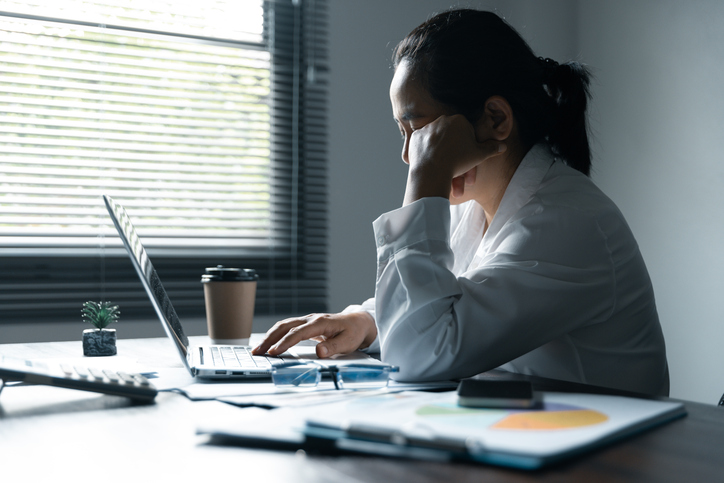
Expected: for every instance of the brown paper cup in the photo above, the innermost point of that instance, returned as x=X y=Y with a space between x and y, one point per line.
x=229 y=295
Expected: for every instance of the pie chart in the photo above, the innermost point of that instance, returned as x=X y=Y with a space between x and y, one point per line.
x=550 y=418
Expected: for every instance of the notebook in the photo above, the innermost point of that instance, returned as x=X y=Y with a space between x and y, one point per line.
x=211 y=361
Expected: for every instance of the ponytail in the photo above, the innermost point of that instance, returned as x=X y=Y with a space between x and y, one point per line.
x=568 y=87
x=463 y=57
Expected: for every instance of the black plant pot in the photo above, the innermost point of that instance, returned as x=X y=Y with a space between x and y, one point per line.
x=99 y=342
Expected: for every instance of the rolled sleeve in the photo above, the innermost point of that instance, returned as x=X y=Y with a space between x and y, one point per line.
x=424 y=220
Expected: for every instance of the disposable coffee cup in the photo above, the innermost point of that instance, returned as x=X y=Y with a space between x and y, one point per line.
x=229 y=294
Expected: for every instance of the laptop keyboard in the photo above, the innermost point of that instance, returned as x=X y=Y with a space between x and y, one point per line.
x=239 y=356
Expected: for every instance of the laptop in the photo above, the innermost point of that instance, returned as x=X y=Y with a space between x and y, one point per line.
x=210 y=361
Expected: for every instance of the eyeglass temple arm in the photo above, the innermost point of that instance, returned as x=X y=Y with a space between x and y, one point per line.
x=333 y=370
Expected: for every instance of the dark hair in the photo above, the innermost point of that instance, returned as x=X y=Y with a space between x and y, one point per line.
x=463 y=57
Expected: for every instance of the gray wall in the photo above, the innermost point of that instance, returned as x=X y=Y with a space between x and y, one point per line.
x=659 y=125
x=657 y=119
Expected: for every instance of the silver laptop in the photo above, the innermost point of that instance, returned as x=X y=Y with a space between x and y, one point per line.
x=212 y=361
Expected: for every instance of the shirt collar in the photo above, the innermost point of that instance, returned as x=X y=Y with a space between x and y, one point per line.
x=523 y=185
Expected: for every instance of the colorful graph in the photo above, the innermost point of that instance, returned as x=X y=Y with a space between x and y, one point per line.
x=550 y=417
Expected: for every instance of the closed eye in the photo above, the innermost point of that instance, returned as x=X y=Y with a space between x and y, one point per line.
x=402 y=131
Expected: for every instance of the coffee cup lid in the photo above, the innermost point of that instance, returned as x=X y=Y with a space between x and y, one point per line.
x=220 y=273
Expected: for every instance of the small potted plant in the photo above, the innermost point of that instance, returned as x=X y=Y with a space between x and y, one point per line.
x=99 y=341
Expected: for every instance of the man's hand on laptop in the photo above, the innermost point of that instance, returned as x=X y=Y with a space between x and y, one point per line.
x=336 y=333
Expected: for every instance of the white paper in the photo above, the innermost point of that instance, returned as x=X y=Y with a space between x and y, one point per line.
x=566 y=422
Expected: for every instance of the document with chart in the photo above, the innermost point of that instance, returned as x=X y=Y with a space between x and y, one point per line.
x=564 y=426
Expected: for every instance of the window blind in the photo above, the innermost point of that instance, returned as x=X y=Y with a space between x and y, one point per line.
x=207 y=122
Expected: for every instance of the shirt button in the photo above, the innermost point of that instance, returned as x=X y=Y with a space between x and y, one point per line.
x=381 y=240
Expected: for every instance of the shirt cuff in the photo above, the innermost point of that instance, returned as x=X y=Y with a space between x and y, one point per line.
x=374 y=347
x=424 y=219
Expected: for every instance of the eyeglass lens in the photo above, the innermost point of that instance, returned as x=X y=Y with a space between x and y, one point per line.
x=344 y=377
x=296 y=376
x=360 y=378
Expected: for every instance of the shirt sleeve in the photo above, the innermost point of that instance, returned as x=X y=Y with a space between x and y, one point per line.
x=435 y=325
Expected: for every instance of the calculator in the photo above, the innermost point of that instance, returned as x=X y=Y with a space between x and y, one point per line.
x=105 y=381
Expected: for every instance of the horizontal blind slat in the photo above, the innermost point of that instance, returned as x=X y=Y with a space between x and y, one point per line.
x=223 y=166
x=179 y=16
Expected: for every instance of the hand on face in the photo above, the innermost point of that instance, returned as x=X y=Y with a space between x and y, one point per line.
x=442 y=148
x=336 y=333
x=444 y=155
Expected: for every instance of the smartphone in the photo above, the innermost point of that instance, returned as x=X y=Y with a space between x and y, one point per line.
x=480 y=393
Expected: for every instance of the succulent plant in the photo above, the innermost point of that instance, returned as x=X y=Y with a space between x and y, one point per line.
x=100 y=314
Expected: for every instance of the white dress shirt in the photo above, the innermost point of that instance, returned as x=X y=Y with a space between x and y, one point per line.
x=555 y=286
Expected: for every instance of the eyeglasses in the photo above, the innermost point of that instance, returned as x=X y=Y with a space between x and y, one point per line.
x=348 y=376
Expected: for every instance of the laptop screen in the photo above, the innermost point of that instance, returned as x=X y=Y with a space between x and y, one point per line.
x=148 y=276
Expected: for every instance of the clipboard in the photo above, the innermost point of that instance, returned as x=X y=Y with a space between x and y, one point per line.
x=564 y=426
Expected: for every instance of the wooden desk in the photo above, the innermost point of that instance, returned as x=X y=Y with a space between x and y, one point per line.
x=51 y=432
